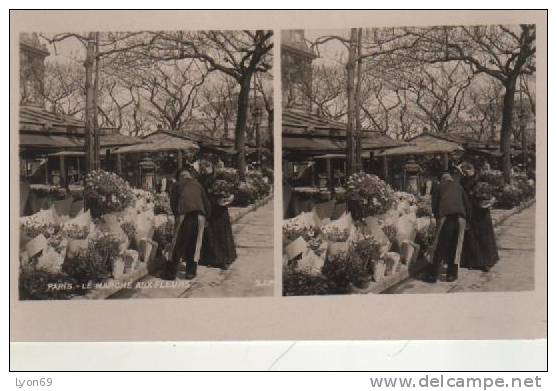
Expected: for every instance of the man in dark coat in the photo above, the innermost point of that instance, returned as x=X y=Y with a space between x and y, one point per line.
x=191 y=207
x=451 y=209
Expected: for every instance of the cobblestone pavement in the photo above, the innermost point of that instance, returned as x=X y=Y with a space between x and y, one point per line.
x=250 y=275
x=513 y=272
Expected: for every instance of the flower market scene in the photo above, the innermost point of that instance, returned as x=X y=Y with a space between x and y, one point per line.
x=408 y=160
x=146 y=165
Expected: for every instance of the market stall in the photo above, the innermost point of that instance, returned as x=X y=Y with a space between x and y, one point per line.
x=360 y=248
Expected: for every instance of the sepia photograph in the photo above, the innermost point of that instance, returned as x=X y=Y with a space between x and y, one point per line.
x=294 y=174
x=145 y=164
x=408 y=159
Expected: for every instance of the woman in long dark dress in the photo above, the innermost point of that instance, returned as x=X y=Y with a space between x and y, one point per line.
x=219 y=249
x=480 y=247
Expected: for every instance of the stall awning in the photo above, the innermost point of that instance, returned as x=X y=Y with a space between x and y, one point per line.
x=49 y=141
x=311 y=144
x=159 y=142
x=426 y=145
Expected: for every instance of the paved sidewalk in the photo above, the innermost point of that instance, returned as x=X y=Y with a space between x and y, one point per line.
x=514 y=271
x=250 y=275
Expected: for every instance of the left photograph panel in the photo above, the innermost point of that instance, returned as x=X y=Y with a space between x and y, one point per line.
x=145 y=164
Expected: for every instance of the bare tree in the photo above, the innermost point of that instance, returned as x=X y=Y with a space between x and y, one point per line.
x=502 y=52
x=97 y=47
x=171 y=90
x=328 y=91
x=63 y=88
x=218 y=105
x=438 y=93
x=238 y=54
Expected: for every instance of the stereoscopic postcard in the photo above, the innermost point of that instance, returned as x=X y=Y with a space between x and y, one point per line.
x=263 y=175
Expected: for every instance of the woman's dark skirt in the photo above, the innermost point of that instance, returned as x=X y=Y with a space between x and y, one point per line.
x=480 y=248
x=219 y=249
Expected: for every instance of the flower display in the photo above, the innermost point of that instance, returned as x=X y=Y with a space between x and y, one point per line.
x=424 y=207
x=106 y=192
x=245 y=194
x=391 y=232
x=493 y=177
x=368 y=250
x=221 y=188
x=334 y=233
x=95 y=264
x=410 y=199
x=298 y=226
x=75 y=231
x=261 y=184
x=34 y=227
x=129 y=229
x=376 y=195
x=482 y=191
x=162 y=203
x=164 y=234
x=228 y=174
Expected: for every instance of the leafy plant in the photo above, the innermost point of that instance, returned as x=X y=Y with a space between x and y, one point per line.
x=345 y=269
x=95 y=264
x=298 y=283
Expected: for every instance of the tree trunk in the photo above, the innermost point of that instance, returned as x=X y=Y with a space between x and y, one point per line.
x=506 y=128
x=241 y=122
x=357 y=98
x=89 y=105
x=350 y=92
x=96 y=135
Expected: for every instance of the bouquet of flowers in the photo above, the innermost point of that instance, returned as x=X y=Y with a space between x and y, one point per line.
x=377 y=196
x=222 y=189
x=483 y=193
x=106 y=192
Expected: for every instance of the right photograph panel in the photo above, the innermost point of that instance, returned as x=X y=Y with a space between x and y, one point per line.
x=409 y=158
